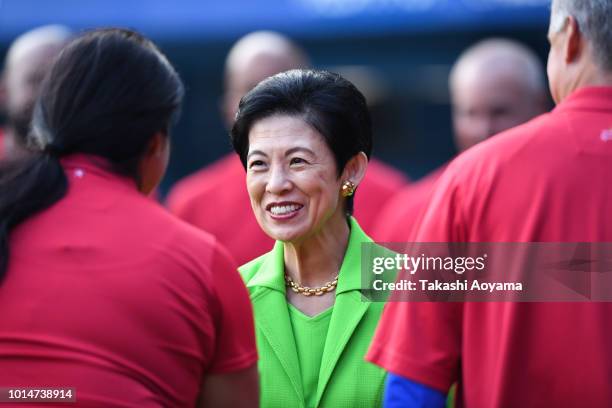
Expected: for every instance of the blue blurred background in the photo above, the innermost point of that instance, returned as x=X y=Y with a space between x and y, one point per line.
x=399 y=52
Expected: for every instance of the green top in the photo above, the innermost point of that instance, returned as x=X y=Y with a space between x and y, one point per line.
x=309 y=334
x=345 y=379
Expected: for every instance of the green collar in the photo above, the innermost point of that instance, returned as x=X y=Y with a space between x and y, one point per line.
x=271 y=274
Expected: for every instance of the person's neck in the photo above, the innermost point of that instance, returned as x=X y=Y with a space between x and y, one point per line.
x=603 y=79
x=591 y=76
x=317 y=260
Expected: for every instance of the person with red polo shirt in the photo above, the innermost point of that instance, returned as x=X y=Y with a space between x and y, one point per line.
x=495 y=84
x=215 y=199
x=101 y=289
x=545 y=181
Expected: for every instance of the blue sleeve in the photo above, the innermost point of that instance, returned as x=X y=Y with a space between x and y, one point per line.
x=404 y=393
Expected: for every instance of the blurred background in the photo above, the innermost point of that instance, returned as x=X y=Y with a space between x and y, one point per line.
x=398 y=52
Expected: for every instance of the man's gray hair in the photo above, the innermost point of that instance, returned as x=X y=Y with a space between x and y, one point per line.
x=594 y=19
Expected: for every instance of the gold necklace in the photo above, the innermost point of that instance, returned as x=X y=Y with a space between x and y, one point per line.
x=306 y=291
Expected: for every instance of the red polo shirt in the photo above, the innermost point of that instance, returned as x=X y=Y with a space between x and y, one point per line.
x=215 y=199
x=108 y=293
x=400 y=216
x=547 y=180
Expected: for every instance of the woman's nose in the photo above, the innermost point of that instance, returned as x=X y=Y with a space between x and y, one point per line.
x=278 y=181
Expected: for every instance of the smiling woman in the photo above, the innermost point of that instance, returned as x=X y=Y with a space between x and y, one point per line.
x=304 y=138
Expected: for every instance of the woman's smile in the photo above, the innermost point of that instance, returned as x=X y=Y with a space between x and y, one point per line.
x=284 y=210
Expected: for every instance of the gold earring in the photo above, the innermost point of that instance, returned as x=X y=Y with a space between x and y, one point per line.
x=348 y=188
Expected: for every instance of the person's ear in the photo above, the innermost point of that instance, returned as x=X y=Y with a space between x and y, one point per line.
x=574 y=41
x=355 y=169
x=157 y=145
x=154 y=162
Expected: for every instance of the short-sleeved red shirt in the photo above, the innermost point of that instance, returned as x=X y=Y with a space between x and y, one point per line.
x=549 y=180
x=215 y=199
x=110 y=294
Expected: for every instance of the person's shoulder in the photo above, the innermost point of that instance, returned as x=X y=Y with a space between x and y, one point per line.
x=203 y=182
x=156 y=239
x=177 y=235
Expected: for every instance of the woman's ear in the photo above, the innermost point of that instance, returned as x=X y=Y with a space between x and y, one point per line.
x=154 y=162
x=157 y=146
x=355 y=169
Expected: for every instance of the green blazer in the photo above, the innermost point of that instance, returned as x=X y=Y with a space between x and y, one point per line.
x=345 y=378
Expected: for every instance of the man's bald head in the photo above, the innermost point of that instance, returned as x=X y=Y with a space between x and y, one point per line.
x=28 y=60
x=253 y=58
x=496 y=84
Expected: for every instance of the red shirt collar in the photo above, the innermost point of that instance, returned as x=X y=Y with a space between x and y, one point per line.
x=79 y=164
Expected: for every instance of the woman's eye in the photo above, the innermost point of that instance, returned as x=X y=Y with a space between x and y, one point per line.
x=297 y=160
x=256 y=163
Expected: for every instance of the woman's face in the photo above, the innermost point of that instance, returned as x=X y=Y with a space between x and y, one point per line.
x=291 y=178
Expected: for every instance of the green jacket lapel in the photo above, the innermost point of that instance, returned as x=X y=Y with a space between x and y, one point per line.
x=272 y=317
x=347 y=314
x=349 y=307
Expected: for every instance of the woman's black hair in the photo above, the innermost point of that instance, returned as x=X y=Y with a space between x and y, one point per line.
x=333 y=106
x=108 y=93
